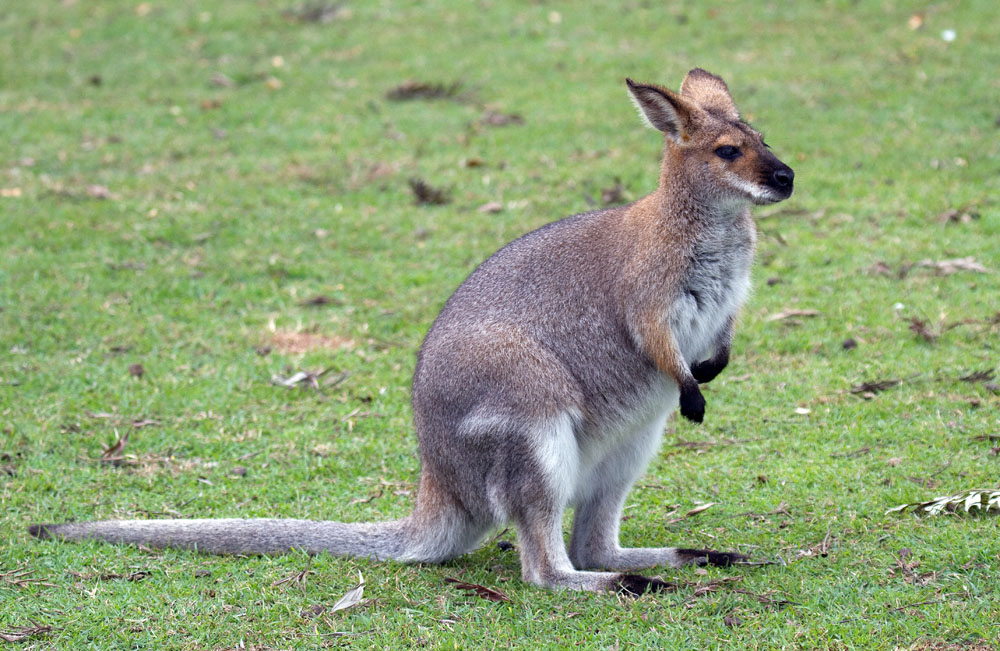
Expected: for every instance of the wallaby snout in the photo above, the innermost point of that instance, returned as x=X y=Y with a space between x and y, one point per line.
x=782 y=179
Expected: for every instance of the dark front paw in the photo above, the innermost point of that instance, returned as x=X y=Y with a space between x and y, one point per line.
x=708 y=370
x=692 y=403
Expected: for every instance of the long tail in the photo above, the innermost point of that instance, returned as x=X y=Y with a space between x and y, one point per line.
x=396 y=539
x=438 y=529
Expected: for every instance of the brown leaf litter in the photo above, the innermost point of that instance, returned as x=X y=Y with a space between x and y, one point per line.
x=20 y=633
x=497 y=119
x=112 y=576
x=954 y=265
x=296 y=579
x=867 y=390
x=923 y=329
x=426 y=194
x=295 y=343
x=880 y=268
x=958 y=216
x=905 y=565
x=978 y=376
x=423 y=90
x=792 y=314
x=317 y=12
x=941 y=645
x=480 y=591
x=714 y=585
x=491 y=207
x=21 y=577
x=940 y=267
x=113 y=453
x=320 y=300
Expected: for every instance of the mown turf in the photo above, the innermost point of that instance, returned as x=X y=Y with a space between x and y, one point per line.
x=180 y=181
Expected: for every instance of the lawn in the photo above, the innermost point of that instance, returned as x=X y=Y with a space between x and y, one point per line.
x=212 y=255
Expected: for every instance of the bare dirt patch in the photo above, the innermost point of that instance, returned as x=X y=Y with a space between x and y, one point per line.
x=287 y=341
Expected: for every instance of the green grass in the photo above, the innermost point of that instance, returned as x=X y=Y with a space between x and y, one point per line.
x=242 y=184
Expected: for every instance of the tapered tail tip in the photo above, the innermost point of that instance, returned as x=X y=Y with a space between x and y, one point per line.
x=42 y=531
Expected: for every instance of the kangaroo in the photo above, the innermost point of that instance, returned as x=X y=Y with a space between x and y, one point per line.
x=547 y=378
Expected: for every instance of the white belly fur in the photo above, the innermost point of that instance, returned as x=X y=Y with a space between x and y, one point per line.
x=623 y=448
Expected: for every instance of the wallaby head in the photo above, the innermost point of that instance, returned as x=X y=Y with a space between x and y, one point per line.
x=712 y=154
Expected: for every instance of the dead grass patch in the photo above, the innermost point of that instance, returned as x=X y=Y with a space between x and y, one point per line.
x=295 y=343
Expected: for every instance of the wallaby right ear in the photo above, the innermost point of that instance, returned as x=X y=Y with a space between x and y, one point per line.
x=662 y=109
x=709 y=91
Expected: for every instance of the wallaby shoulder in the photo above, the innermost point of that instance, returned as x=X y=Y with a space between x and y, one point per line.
x=590 y=254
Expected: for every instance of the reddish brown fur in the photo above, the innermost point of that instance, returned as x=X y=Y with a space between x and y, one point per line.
x=644 y=224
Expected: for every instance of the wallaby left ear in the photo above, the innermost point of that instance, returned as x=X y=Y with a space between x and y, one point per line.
x=663 y=109
x=709 y=92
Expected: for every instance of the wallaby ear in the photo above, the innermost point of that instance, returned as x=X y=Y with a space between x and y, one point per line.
x=662 y=109
x=709 y=92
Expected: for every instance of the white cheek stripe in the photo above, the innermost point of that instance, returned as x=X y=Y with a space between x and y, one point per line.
x=756 y=191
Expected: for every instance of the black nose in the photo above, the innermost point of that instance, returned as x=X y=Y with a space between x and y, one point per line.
x=783 y=177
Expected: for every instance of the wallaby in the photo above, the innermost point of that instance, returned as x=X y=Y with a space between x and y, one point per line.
x=548 y=377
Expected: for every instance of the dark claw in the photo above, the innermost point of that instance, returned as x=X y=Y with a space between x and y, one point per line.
x=692 y=403
x=703 y=557
x=634 y=585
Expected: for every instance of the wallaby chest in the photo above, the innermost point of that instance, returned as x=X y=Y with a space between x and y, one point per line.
x=713 y=287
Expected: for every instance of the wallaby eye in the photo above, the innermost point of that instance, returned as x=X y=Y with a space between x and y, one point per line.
x=728 y=152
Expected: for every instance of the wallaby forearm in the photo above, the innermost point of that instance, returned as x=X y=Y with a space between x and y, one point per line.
x=661 y=346
x=707 y=370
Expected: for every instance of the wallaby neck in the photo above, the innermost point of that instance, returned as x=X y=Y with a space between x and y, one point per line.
x=675 y=200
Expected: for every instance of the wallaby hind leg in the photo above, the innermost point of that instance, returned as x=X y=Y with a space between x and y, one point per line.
x=537 y=498
x=442 y=529
x=544 y=560
x=595 y=543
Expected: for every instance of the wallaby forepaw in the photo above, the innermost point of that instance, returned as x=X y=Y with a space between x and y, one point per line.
x=693 y=404
x=707 y=370
x=635 y=585
x=703 y=557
